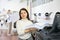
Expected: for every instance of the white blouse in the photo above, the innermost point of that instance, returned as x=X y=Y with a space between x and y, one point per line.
x=21 y=26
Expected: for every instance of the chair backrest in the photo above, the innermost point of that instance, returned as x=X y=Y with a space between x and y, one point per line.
x=58 y=20
x=15 y=25
x=56 y=23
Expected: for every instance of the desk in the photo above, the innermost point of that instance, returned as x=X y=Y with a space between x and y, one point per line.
x=4 y=36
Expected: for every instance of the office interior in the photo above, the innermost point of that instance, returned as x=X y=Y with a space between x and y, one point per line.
x=38 y=9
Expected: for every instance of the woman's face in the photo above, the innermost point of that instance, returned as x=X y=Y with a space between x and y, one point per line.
x=23 y=14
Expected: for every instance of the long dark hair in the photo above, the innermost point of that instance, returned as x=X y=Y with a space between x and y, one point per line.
x=24 y=10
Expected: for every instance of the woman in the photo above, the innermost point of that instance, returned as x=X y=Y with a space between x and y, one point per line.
x=22 y=24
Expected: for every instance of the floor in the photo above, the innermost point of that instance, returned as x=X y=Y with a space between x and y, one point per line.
x=4 y=36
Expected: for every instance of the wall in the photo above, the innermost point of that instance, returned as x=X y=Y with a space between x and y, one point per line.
x=13 y=5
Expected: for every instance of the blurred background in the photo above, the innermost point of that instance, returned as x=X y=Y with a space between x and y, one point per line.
x=38 y=9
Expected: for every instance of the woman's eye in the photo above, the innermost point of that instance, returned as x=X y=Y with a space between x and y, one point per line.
x=21 y=13
x=24 y=13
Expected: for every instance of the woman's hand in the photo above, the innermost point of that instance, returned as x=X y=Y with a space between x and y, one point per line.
x=27 y=30
x=31 y=30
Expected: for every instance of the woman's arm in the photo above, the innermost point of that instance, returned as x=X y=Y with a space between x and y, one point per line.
x=32 y=29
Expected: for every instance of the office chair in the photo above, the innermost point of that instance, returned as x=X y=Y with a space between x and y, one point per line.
x=52 y=32
x=14 y=30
